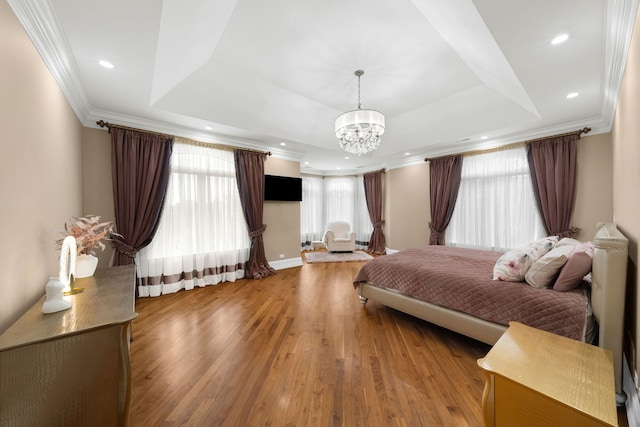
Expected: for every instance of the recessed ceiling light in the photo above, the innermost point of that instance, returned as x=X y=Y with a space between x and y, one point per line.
x=208 y=128
x=572 y=95
x=484 y=137
x=306 y=163
x=346 y=157
x=283 y=144
x=407 y=153
x=560 y=38
x=106 y=64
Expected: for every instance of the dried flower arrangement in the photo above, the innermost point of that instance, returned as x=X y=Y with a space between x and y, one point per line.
x=89 y=233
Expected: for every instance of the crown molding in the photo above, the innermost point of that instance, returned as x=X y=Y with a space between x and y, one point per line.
x=618 y=27
x=186 y=132
x=41 y=25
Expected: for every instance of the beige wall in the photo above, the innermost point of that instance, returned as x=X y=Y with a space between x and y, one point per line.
x=406 y=207
x=594 y=184
x=626 y=184
x=282 y=236
x=97 y=192
x=40 y=170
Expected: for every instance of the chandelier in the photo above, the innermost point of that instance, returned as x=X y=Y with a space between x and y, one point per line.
x=359 y=130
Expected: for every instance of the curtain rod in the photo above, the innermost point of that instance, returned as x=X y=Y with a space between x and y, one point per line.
x=383 y=170
x=193 y=142
x=513 y=145
x=108 y=125
x=578 y=132
x=187 y=141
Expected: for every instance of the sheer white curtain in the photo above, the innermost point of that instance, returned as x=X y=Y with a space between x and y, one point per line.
x=333 y=198
x=339 y=199
x=311 y=211
x=202 y=237
x=344 y=200
x=496 y=208
x=361 y=221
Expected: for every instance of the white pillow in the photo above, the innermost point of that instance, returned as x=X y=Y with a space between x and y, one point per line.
x=568 y=241
x=541 y=246
x=512 y=265
x=544 y=271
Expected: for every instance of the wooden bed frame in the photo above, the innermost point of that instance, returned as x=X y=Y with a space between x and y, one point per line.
x=609 y=273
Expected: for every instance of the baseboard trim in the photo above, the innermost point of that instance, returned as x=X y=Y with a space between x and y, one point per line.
x=281 y=264
x=633 y=402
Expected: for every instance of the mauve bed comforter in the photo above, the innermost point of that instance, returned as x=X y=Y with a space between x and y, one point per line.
x=461 y=279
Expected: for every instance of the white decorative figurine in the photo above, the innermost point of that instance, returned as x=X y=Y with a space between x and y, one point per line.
x=55 y=301
x=55 y=286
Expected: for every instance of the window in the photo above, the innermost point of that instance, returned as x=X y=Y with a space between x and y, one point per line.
x=333 y=198
x=496 y=207
x=202 y=237
x=311 y=211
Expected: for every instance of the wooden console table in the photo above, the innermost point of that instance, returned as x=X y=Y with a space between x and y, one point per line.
x=536 y=378
x=71 y=367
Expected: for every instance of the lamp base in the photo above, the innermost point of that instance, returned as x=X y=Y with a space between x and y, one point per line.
x=73 y=291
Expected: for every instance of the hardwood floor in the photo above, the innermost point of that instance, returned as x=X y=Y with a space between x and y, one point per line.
x=297 y=349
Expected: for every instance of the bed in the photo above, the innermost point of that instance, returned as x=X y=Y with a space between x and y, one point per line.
x=461 y=295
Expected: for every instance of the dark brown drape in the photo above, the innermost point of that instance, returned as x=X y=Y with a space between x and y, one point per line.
x=552 y=164
x=373 y=195
x=140 y=175
x=250 y=179
x=444 y=182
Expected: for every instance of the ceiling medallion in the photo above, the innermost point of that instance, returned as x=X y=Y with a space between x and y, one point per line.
x=359 y=131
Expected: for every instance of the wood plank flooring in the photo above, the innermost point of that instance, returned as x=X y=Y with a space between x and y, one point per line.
x=297 y=349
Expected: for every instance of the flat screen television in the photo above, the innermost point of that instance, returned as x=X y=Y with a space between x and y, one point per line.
x=282 y=188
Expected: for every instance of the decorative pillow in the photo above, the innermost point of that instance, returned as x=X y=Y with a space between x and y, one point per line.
x=578 y=265
x=543 y=272
x=541 y=246
x=568 y=241
x=512 y=265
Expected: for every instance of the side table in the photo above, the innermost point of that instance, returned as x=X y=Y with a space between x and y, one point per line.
x=536 y=378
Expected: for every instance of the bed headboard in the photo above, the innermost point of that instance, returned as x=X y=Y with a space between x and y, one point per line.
x=609 y=279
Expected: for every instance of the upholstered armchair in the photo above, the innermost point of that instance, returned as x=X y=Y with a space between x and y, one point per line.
x=338 y=237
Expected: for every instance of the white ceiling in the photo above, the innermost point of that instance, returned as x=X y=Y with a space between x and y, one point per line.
x=259 y=73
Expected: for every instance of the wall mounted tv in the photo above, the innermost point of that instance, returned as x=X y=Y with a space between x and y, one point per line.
x=282 y=188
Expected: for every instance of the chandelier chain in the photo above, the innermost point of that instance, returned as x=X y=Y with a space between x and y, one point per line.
x=359 y=103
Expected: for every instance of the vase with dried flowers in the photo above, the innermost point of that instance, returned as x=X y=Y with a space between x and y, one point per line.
x=89 y=233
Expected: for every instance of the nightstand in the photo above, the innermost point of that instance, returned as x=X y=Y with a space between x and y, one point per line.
x=536 y=378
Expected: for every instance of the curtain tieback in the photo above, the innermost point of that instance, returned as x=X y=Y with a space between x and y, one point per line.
x=435 y=233
x=378 y=224
x=568 y=233
x=258 y=231
x=125 y=249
